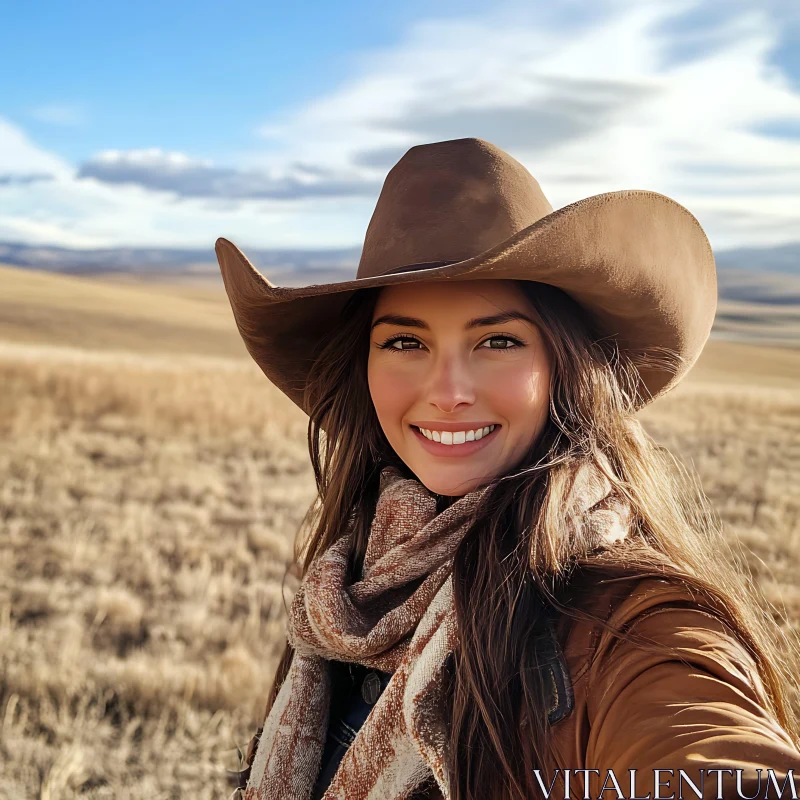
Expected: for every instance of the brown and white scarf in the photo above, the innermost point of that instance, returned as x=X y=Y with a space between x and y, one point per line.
x=387 y=620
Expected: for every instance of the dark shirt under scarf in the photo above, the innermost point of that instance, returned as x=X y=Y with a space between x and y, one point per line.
x=351 y=702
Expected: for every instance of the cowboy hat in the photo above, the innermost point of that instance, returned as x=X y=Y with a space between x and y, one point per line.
x=637 y=262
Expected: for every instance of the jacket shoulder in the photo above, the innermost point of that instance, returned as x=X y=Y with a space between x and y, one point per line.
x=648 y=619
x=616 y=602
x=663 y=620
x=679 y=690
x=565 y=657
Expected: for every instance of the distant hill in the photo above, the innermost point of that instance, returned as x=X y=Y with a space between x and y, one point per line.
x=757 y=286
x=146 y=260
x=746 y=276
x=784 y=259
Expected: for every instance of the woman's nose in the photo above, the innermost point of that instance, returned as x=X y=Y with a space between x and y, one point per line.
x=451 y=383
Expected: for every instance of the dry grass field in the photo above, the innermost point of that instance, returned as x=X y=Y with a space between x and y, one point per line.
x=151 y=481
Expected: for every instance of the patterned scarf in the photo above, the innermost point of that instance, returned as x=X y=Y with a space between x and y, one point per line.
x=399 y=618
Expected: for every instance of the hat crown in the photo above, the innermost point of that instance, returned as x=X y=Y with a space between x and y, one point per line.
x=446 y=202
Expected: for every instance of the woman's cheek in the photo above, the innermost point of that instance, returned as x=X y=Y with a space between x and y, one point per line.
x=390 y=392
x=517 y=391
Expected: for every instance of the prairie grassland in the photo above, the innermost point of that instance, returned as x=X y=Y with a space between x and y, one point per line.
x=43 y=308
x=147 y=512
x=147 y=509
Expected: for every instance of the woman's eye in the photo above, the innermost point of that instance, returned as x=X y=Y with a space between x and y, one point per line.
x=504 y=339
x=411 y=342
x=390 y=343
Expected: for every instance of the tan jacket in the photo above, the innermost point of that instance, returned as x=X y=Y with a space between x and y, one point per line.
x=699 y=706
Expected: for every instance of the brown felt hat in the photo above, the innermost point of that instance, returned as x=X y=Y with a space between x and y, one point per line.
x=637 y=262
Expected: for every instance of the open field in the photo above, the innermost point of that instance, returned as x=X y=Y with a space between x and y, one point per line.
x=147 y=506
x=43 y=308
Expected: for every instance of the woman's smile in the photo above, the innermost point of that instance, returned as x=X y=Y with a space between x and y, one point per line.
x=465 y=441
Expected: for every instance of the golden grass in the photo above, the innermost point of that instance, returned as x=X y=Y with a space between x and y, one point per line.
x=147 y=513
x=147 y=508
x=43 y=308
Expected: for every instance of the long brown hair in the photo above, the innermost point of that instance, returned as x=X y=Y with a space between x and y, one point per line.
x=522 y=556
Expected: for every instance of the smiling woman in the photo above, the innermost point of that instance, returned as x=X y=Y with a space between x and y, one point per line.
x=480 y=390
x=547 y=608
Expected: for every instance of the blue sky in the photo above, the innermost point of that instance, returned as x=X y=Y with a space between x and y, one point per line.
x=273 y=124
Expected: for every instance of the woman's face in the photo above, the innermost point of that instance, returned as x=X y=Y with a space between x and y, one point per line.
x=455 y=358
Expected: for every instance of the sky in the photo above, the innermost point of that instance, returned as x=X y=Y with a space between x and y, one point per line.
x=169 y=124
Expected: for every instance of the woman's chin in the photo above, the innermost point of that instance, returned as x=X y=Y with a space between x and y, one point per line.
x=452 y=486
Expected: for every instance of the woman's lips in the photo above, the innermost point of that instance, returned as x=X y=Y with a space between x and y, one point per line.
x=454 y=450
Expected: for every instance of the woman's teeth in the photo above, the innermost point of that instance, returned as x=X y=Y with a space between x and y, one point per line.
x=456 y=437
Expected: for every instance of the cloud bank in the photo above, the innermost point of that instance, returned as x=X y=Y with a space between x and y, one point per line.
x=675 y=97
x=175 y=172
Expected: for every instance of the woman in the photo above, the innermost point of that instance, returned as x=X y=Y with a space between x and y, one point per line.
x=509 y=590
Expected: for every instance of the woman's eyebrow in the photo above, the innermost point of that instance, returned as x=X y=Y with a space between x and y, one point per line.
x=476 y=322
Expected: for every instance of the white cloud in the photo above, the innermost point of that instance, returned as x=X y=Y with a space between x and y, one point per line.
x=85 y=212
x=588 y=107
x=20 y=157
x=187 y=177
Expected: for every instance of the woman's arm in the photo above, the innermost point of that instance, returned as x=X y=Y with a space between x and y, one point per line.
x=699 y=706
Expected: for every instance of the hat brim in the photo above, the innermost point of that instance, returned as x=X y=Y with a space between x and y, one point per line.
x=638 y=263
